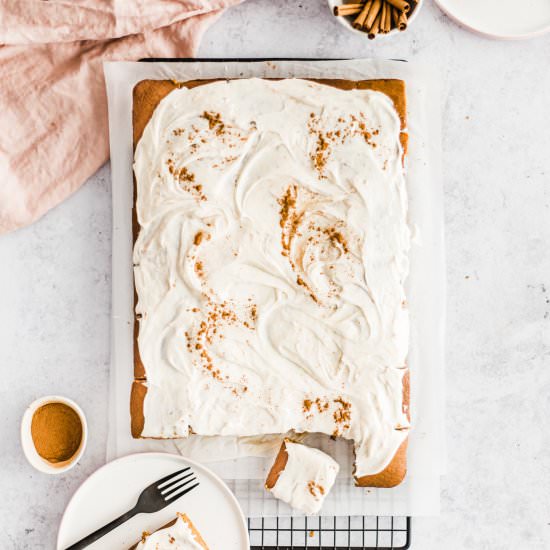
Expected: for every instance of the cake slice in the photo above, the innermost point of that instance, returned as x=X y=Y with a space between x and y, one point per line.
x=179 y=534
x=302 y=476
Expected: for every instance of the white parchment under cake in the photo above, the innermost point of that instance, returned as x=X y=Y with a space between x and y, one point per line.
x=270 y=264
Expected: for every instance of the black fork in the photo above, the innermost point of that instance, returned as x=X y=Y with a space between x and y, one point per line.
x=157 y=496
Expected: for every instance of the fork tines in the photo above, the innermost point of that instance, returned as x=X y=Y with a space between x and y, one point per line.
x=175 y=485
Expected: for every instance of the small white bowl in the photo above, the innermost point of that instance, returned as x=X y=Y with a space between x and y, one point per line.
x=347 y=21
x=29 y=449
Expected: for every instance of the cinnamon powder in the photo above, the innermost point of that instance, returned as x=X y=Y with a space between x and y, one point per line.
x=56 y=431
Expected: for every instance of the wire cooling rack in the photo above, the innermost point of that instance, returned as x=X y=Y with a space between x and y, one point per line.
x=330 y=532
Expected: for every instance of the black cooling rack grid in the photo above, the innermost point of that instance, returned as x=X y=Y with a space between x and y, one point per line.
x=330 y=532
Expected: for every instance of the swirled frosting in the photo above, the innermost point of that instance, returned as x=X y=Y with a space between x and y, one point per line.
x=270 y=263
x=306 y=479
x=178 y=536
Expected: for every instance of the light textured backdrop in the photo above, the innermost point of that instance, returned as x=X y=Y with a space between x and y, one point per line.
x=55 y=284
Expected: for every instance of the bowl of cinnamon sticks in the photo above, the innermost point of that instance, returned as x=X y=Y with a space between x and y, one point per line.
x=375 y=18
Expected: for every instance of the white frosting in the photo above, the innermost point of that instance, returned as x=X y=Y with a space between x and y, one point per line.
x=313 y=338
x=176 y=537
x=306 y=479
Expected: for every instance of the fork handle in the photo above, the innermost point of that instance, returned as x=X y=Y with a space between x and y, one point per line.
x=92 y=537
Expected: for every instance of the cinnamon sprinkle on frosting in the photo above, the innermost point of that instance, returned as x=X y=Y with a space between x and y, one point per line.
x=214 y=122
x=315 y=489
x=342 y=416
x=186 y=179
x=289 y=221
x=343 y=131
x=198 y=238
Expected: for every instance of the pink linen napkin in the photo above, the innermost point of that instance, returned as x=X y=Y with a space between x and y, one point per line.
x=53 y=107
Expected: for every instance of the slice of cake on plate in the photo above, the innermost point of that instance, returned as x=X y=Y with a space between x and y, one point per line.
x=179 y=534
x=302 y=476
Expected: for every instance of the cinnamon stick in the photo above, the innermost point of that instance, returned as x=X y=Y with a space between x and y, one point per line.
x=402 y=21
x=395 y=16
x=348 y=9
x=383 y=12
x=351 y=5
x=360 y=20
x=374 y=30
x=386 y=26
x=401 y=5
x=374 y=12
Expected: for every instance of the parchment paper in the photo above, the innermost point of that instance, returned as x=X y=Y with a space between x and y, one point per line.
x=243 y=462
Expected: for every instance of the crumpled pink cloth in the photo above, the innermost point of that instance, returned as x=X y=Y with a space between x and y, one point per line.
x=53 y=106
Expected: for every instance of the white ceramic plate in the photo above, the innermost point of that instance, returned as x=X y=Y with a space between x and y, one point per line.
x=504 y=19
x=348 y=21
x=114 y=489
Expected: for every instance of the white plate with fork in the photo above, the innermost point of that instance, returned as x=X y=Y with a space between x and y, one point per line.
x=114 y=489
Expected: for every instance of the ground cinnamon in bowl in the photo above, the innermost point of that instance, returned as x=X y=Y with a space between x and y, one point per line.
x=56 y=431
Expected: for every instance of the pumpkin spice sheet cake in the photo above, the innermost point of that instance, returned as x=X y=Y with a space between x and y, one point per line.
x=271 y=251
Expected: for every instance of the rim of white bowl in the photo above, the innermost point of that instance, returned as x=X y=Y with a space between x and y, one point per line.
x=345 y=22
x=35 y=460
